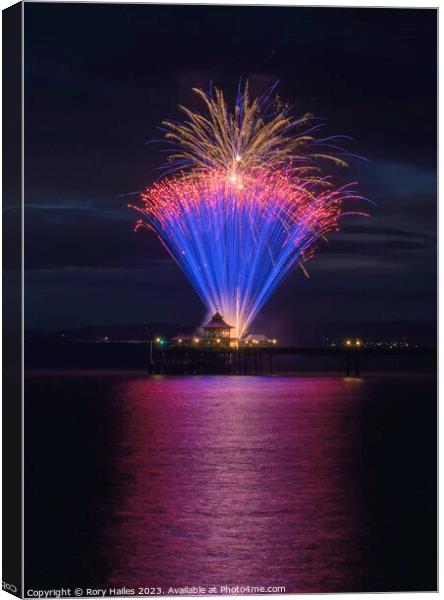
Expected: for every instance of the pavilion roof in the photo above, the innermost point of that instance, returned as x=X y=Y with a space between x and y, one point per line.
x=217 y=322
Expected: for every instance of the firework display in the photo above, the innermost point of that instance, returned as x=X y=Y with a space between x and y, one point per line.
x=248 y=199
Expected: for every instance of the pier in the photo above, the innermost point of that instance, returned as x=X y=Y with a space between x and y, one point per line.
x=167 y=358
x=189 y=361
x=261 y=361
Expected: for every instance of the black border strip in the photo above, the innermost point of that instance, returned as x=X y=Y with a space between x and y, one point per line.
x=12 y=299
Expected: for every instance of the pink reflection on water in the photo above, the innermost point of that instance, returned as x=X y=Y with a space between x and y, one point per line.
x=238 y=481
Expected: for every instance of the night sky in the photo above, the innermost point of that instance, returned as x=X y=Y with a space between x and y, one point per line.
x=99 y=80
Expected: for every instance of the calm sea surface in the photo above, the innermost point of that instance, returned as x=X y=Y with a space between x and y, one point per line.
x=318 y=484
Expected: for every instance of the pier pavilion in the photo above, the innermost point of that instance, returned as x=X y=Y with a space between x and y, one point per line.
x=217 y=333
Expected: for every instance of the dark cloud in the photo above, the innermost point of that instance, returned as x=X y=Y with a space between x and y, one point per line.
x=374 y=230
x=78 y=238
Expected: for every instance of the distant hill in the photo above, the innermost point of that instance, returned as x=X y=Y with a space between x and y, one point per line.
x=421 y=333
x=131 y=332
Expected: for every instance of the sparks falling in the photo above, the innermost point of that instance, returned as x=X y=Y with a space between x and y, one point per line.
x=250 y=200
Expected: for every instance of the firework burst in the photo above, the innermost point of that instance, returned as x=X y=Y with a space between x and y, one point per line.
x=250 y=202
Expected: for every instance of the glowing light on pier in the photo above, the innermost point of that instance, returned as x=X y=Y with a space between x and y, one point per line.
x=249 y=202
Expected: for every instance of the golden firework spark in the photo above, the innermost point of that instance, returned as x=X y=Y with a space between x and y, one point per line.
x=256 y=134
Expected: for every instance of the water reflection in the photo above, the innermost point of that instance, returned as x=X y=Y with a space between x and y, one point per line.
x=247 y=481
x=318 y=484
